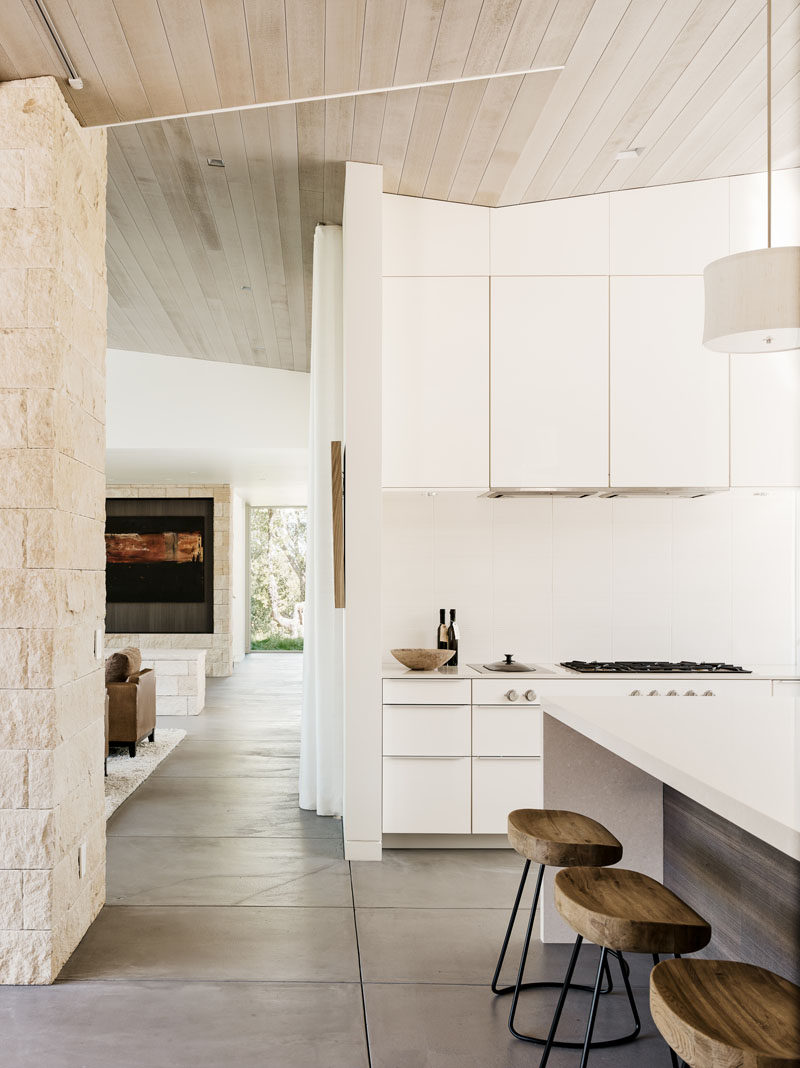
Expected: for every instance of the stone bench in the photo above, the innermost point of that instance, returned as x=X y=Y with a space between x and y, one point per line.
x=180 y=680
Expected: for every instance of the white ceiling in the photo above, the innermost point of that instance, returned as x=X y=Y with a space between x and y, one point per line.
x=261 y=476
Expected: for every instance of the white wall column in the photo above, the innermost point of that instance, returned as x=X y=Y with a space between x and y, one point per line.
x=362 y=253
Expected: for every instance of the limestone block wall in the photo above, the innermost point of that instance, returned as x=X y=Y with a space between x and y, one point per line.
x=52 y=501
x=219 y=645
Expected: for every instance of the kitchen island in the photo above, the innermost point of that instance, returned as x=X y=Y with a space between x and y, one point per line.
x=703 y=793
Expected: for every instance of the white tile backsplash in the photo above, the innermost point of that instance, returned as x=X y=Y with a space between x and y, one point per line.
x=551 y=579
x=763 y=563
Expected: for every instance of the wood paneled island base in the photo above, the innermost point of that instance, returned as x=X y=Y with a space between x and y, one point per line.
x=747 y=889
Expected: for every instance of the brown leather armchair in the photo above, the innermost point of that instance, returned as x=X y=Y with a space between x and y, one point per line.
x=131 y=700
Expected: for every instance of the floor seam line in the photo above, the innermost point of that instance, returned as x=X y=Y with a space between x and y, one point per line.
x=360 y=970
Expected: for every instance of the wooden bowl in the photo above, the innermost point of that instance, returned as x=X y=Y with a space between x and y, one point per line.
x=423 y=659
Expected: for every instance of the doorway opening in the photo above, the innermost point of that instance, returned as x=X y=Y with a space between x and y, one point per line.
x=277 y=560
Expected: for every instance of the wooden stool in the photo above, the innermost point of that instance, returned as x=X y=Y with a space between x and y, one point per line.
x=722 y=1014
x=621 y=911
x=557 y=838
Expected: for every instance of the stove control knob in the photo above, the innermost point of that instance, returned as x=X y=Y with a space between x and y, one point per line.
x=530 y=695
x=654 y=693
x=690 y=693
x=708 y=693
x=672 y=693
x=512 y=695
x=635 y=693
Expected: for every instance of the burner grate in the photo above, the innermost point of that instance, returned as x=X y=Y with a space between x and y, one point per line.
x=656 y=667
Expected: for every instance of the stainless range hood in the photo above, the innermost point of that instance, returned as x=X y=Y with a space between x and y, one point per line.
x=606 y=491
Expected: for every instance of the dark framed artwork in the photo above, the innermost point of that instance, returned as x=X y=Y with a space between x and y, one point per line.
x=159 y=565
x=155 y=558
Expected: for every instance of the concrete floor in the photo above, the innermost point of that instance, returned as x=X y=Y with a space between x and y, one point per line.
x=235 y=934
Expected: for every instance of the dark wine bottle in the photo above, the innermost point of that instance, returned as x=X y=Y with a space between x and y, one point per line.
x=452 y=639
x=441 y=633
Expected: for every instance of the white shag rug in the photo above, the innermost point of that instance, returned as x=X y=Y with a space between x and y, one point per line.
x=126 y=773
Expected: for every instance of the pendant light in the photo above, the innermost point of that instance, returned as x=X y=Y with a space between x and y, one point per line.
x=753 y=298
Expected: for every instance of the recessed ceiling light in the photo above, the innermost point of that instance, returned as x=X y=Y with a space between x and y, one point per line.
x=215 y=161
x=629 y=153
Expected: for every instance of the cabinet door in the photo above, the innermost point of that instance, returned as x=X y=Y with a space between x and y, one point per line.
x=426 y=730
x=426 y=796
x=500 y=786
x=786 y=688
x=765 y=428
x=506 y=731
x=549 y=382
x=669 y=394
x=435 y=381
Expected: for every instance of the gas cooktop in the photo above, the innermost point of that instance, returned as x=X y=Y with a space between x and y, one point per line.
x=659 y=667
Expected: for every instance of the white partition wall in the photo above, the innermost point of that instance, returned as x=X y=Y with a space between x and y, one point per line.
x=362 y=236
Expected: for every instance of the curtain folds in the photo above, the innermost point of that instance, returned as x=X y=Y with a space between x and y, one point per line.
x=321 y=744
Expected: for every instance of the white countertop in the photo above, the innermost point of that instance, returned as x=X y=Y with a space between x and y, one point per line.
x=394 y=670
x=738 y=757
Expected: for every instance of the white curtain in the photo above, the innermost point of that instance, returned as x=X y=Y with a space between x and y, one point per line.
x=322 y=720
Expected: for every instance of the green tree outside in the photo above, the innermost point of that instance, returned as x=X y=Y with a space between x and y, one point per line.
x=277 y=577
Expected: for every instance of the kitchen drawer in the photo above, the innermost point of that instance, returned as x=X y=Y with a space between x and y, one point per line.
x=499 y=786
x=426 y=796
x=426 y=730
x=426 y=692
x=495 y=691
x=786 y=688
x=512 y=731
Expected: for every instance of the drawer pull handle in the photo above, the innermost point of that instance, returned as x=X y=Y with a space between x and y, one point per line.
x=412 y=756
x=525 y=756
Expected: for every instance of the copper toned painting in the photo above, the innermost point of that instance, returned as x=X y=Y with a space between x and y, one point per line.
x=154 y=559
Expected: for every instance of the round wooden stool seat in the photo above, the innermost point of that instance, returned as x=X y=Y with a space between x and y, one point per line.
x=628 y=911
x=723 y=1014
x=561 y=839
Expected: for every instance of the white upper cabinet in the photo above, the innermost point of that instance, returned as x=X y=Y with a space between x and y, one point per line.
x=435 y=383
x=429 y=237
x=552 y=237
x=549 y=398
x=765 y=419
x=669 y=394
x=669 y=229
x=765 y=390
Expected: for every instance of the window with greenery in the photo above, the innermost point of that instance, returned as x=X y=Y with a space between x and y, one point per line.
x=277 y=577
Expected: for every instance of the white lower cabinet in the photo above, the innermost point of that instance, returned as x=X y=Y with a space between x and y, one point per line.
x=501 y=784
x=426 y=795
x=786 y=688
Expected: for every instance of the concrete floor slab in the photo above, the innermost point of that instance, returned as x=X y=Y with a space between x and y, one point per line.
x=227 y=871
x=183 y=1025
x=440 y=878
x=201 y=942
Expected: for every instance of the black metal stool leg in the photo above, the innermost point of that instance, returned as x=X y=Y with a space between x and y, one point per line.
x=510 y=928
x=631 y=1001
x=519 y=985
x=587 y=1042
x=550 y=1041
x=524 y=956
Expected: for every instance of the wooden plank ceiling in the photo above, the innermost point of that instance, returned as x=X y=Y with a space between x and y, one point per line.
x=215 y=262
